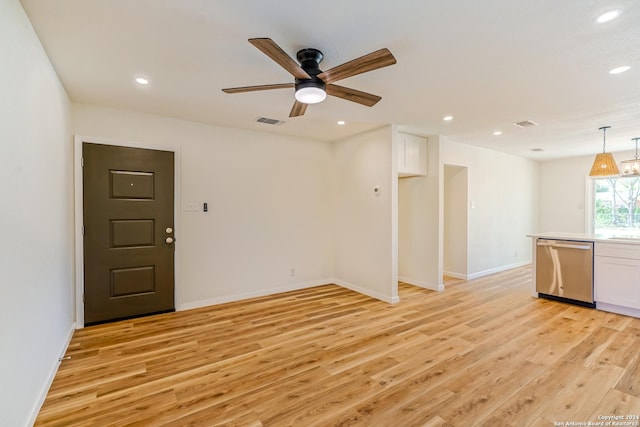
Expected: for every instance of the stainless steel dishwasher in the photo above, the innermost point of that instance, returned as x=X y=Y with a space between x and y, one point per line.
x=564 y=271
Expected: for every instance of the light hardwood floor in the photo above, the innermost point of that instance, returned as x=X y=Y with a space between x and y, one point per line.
x=483 y=352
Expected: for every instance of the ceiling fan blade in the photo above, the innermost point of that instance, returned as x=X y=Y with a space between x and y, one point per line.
x=373 y=61
x=257 y=88
x=298 y=109
x=275 y=52
x=349 y=94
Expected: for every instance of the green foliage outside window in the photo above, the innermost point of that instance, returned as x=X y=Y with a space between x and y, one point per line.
x=617 y=206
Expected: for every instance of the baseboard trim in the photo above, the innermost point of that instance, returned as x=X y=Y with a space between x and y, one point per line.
x=627 y=311
x=248 y=295
x=497 y=269
x=425 y=285
x=52 y=374
x=391 y=300
x=456 y=275
x=286 y=288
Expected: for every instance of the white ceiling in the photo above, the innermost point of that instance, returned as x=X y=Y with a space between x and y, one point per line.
x=487 y=63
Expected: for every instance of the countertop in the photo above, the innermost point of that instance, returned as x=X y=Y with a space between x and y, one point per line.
x=588 y=237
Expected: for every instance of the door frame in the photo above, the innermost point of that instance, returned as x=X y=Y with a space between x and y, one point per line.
x=78 y=211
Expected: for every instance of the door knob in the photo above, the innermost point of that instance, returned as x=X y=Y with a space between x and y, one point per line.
x=168 y=230
x=169 y=240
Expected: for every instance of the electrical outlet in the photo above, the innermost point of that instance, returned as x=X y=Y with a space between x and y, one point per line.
x=292 y=272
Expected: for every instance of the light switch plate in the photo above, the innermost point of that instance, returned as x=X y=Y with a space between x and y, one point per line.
x=191 y=207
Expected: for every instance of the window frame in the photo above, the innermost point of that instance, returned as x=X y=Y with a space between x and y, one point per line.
x=590 y=200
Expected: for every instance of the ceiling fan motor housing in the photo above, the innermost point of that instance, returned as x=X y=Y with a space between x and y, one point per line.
x=309 y=60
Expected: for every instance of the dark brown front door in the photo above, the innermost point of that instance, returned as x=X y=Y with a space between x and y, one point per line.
x=128 y=232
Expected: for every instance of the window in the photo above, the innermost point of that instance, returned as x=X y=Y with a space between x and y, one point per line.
x=616 y=206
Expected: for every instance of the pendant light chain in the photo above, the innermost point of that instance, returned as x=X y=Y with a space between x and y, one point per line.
x=604 y=137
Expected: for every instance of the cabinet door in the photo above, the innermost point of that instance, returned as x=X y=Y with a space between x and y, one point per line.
x=412 y=155
x=402 y=154
x=617 y=281
x=412 y=151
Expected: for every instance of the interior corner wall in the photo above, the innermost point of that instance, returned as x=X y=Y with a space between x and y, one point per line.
x=503 y=206
x=36 y=295
x=420 y=237
x=363 y=233
x=268 y=226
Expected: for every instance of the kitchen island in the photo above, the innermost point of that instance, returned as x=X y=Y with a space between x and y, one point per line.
x=615 y=269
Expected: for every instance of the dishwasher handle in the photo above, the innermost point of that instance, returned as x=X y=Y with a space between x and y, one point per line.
x=554 y=244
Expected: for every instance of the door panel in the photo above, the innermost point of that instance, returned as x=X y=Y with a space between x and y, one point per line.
x=127 y=233
x=128 y=206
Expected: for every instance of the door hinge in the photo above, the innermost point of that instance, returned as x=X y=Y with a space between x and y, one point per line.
x=83 y=230
x=81 y=162
x=83 y=298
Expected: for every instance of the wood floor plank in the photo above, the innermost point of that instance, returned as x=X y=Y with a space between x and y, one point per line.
x=630 y=381
x=616 y=402
x=101 y=411
x=482 y=352
x=620 y=351
x=584 y=392
x=532 y=402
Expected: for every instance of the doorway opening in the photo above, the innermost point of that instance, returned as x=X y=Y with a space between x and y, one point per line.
x=456 y=207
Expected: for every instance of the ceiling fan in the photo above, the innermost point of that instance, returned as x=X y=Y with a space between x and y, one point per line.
x=312 y=84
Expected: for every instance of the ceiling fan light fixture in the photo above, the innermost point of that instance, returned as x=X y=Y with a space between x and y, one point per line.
x=310 y=94
x=312 y=85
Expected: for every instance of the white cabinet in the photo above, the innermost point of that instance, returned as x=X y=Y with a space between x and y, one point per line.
x=412 y=155
x=617 y=275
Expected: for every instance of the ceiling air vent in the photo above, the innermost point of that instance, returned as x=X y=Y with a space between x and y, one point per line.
x=269 y=121
x=525 y=124
x=536 y=149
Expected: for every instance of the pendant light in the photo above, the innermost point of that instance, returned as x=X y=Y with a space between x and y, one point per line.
x=604 y=164
x=631 y=167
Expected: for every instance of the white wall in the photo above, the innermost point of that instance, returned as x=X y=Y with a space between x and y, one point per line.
x=504 y=192
x=564 y=187
x=562 y=194
x=364 y=238
x=36 y=294
x=269 y=201
x=456 y=210
x=420 y=237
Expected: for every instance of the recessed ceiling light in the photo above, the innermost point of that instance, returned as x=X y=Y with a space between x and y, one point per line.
x=447 y=118
x=496 y=133
x=619 y=70
x=341 y=122
x=142 y=80
x=608 y=16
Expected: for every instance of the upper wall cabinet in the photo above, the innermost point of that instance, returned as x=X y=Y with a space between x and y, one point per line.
x=412 y=155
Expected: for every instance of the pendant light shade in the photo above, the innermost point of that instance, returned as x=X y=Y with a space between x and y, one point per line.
x=604 y=164
x=631 y=167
